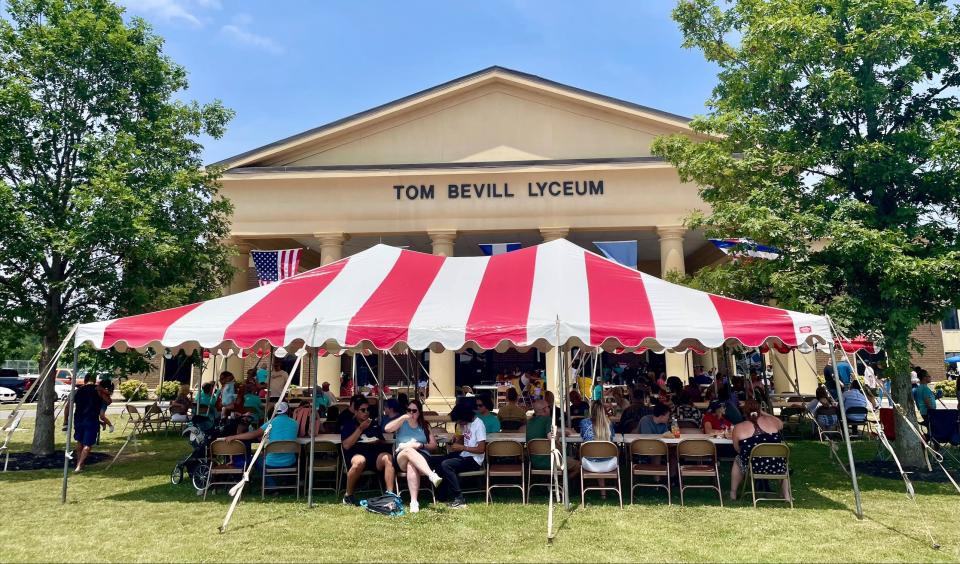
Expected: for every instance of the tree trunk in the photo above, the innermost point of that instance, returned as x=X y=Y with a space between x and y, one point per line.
x=907 y=444
x=44 y=429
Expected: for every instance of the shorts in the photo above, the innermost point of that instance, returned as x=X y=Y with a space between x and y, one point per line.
x=370 y=459
x=86 y=432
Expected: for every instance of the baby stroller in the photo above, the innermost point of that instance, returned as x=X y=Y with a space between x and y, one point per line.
x=200 y=432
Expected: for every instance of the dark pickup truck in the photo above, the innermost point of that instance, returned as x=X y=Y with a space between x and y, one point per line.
x=11 y=379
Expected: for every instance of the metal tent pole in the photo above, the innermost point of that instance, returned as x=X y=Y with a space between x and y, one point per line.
x=846 y=433
x=561 y=366
x=66 y=448
x=313 y=426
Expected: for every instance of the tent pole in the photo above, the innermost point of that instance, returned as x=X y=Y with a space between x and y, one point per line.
x=313 y=426
x=562 y=357
x=846 y=433
x=796 y=371
x=353 y=373
x=380 y=385
x=69 y=408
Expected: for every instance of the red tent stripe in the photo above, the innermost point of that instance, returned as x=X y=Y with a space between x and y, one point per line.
x=503 y=299
x=385 y=318
x=618 y=303
x=268 y=318
x=139 y=330
x=752 y=323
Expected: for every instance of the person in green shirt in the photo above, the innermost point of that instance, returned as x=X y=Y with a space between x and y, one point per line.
x=539 y=427
x=207 y=401
x=924 y=398
x=485 y=413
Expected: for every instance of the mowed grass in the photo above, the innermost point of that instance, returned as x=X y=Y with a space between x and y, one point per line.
x=133 y=513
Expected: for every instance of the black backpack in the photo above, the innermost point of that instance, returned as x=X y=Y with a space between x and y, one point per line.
x=386 y=504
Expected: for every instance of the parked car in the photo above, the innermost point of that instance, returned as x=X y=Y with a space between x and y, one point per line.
x=7 y=395
x=62 y=390
x=10 y=379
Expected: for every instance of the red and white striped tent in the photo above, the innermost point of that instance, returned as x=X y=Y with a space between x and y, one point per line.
x=547 y=295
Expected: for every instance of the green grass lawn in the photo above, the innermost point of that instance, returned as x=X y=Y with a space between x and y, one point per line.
x=133 y=513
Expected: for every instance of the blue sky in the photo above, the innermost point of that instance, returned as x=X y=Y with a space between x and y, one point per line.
x=285 y=66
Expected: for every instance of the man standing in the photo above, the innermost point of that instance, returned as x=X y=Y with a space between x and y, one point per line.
x=86 y=418
x=363 y=447
x=277 y=379
x=845 y=373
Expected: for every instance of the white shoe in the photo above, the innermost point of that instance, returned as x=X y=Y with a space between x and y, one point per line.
x=435 y=479
x=111 y=427
x=414 y=507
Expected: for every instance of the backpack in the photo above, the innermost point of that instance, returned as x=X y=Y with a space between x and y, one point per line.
x=387 y=504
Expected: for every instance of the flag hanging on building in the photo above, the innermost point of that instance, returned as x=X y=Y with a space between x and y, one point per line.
x=273 y=266
x=745 y=248
x=624 y=252
x=491 y=249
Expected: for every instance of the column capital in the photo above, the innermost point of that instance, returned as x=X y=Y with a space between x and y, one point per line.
x=553 y=233
x=331 y=238
x=439 y=236
x=241 y=245
x=671 y=231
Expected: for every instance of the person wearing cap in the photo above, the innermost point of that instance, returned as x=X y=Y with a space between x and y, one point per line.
x=283 y=428
x=714 y=420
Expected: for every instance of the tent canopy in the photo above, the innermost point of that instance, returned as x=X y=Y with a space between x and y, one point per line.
x=551 y=294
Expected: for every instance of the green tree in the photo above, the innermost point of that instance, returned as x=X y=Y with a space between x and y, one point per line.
x=833 y=134
x=105 y=207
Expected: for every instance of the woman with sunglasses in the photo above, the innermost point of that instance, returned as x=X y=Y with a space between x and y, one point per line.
x=413 y=442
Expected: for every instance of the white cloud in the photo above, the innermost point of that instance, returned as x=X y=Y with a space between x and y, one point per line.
x=176 y=11
x=236 y=33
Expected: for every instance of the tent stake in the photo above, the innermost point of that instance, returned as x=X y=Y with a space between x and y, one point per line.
x=66 y=448
x=846 y=433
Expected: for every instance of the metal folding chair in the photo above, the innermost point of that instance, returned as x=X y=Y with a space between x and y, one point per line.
x=704 y=455
x=649 y=448
x=500 y=469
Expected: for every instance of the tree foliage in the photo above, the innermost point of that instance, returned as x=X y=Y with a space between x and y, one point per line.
x=105 y=206
x=834 y=135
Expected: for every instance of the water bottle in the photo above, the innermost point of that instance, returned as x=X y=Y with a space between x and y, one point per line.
x=674 y=427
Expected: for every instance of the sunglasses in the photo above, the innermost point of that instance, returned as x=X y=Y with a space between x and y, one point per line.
x=414 y=410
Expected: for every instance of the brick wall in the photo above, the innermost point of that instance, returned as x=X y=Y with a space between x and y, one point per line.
x=931 y=359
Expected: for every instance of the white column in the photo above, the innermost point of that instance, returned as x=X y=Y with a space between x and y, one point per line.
x=442 y=365
x=552 y=234
x=671 y=260
x=331 y=250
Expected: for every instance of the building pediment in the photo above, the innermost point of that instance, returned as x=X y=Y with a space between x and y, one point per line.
x=495 y=115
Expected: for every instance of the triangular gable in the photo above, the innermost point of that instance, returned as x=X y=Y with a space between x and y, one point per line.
x=625 y=127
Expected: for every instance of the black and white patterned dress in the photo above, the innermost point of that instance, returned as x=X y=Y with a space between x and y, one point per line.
x=763 y=464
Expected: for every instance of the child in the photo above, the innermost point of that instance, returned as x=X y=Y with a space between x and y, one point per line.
x=105 y=389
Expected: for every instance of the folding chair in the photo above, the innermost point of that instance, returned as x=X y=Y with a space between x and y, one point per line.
x=222 y=452
x=651 y=448
x=134 y=416
x=539 y=447
x=769 y=450
x=367 y=473
x=326 y=460
x=156 y=418
x=599 y=449
x=832 y=432
x=704 y=455
x=500 y=469
x=857 y=417
x=281 y=447
x=5 y=447
x=943 y=426
x=792 y=418
x=687 y=424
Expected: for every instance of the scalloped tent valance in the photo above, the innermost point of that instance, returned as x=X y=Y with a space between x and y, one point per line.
x=384 y=297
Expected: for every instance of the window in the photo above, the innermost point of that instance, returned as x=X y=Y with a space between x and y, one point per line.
x=951 y=321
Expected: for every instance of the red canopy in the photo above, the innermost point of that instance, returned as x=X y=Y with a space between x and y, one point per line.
x=550 y=294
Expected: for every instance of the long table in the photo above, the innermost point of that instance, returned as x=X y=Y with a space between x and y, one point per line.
x=575 y=438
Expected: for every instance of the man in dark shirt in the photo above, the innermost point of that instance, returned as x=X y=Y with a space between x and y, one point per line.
x=630 y=419
x=363 y=447
x=86 y=418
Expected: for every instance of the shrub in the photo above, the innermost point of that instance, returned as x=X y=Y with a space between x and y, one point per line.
x=168 y=390
x=949 y=387
x=132 y=390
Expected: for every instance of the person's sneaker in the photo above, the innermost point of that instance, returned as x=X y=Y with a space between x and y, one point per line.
x=458 y=503
x=435 y=479
x=111 y=427
x=350 y=500
x=414 y=507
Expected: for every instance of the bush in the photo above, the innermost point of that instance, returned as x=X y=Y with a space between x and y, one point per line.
x=949 y=388
x=131 y=387
x=168 y=390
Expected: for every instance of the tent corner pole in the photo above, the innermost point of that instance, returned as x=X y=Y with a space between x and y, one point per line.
x=562 y=368
x=846 y=433
x=69 y=408
x=313 y=425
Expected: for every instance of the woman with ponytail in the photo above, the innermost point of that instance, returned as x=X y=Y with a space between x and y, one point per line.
x=758 y=427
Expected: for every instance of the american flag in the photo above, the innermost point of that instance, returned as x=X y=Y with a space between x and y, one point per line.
x=493 y=249
x=273 y=266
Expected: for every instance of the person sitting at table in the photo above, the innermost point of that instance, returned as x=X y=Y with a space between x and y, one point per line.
x=207 y=401
x=700 y=378
x=540 y=427
x=467 y=451
x=731 y=406
x=578 y=407
x=363 y=447
x=714 y=420
x=324 y=399
x=228 y=393
x=758 y=428
x=693 y=390
x=598 y=427
x=684 y=410
x=282 y=428
x=655 y=423
x=630 y=419
x=511 y=415
x=251 y=405
x=346 y=386
x=620 y=403
x=825 y=419
x=854 y=397
x=391 y=411
x=180 y=406
x=759 y=391
x=349 y=413
x=484 y=411
x=413 y=442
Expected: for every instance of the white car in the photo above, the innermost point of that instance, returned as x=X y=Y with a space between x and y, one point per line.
x=7 y=395
x=62 y=391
